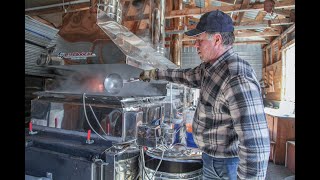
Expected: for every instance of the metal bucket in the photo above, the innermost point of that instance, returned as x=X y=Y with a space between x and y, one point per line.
x=194 y=175
x=127 y=169
x=172 y=168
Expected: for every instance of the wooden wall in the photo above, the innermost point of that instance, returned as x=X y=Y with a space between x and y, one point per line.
x=272 y=63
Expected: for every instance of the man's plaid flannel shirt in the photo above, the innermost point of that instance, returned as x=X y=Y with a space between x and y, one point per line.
x=229 y=120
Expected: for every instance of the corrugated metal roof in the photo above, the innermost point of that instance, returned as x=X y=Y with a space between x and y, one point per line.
x=32 y=53
x=199 y=3
x=215 y=3
x=251 y=14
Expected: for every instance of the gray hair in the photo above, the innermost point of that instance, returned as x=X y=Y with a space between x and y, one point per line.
x=227 y=37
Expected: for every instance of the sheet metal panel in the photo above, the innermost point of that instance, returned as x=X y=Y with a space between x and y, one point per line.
x=37 y=37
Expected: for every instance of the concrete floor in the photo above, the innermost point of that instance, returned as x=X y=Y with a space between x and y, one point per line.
x=278 y=172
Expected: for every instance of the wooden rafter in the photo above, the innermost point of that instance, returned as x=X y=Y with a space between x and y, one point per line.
x=243 y=34
x=242 y=25
x=261 y=15
x=59 y=9
x=248 y=33
x=136 y=18
x=191 y=43
x=273 y=22
x=245 y=4
x=227 y=9
x=125 y=8
x=206 y=3
x=283 y=12
x=140 y=14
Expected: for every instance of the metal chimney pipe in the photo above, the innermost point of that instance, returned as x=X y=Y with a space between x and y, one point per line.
x=157 y=21
x=113 y=9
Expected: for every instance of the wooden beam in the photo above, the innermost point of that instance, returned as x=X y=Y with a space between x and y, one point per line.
x=244 y=5
x=176 y=43
x=140 y=14
x=242 y=34
x=283 y=12
x=291 y=28
x=191 y=43
x=250 y=42
x=227 y=9
x=274 y=22
x=261 y=15
x=125 y=8
x=234 y=16
x=241 y=26
x=59 y=9
x=206 y=3
x=248 y=33
x=252 y=27
x=169 y=7
x=188 y=43
x=136 y=18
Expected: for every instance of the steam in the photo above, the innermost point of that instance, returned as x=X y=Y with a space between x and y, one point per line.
x=90 y=80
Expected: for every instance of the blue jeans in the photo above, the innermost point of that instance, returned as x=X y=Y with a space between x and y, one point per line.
x=219 y=168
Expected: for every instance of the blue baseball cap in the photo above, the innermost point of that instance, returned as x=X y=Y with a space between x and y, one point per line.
x=213 y=21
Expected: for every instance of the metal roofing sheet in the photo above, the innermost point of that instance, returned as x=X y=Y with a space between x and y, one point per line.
x=37 y=37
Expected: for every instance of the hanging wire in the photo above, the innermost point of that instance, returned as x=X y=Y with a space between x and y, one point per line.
x=97 y=120
x=85 y=114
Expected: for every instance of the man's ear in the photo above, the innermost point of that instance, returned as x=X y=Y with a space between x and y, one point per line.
x=217 y=39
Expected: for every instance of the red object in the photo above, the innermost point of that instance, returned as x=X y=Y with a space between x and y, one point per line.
x=108 y=128
x=89 y=135
x=30 y=126
x=55 y=122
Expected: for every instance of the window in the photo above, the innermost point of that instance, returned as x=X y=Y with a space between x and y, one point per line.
x=288 y=85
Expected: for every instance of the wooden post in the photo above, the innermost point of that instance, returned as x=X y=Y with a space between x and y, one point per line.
x=176 y=44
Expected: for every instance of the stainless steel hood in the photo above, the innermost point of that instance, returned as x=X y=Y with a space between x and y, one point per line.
x=81 y=66
x=138 y=52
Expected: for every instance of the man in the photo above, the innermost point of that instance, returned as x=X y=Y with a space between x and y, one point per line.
x=229 y=125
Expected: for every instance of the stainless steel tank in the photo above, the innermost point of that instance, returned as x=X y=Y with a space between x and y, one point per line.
x=178 y=162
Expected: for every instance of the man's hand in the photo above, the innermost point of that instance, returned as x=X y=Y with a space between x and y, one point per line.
x=147 y=75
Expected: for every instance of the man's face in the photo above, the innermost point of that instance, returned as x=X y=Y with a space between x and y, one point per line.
x=206 y=48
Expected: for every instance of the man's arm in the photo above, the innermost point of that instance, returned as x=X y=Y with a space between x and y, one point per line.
x=247 y=111
x=189 y=77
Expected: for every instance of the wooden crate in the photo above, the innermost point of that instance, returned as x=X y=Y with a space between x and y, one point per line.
x=284 y=130
x=290 y=156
